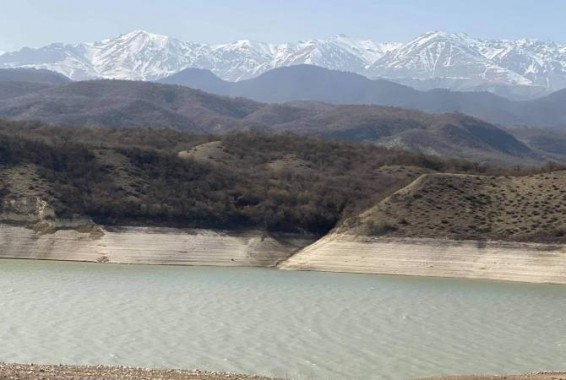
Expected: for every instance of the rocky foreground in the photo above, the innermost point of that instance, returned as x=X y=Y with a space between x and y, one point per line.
x=45 y=372
x=531 y=376
x=48 y=372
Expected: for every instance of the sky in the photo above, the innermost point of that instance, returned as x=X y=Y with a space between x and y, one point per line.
x=36 y=23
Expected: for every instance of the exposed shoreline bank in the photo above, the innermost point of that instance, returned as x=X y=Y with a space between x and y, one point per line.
x=150 y=245
x=489 y=260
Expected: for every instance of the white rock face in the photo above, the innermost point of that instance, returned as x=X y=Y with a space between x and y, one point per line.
x=435 y=59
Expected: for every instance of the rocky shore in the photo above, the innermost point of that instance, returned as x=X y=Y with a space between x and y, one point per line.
x=530 y=376
x=56 y=372
x=52 y=372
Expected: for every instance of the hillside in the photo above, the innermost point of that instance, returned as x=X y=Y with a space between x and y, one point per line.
x=38 y=76
x=19 y=82
x=311 y=83
x=9 y=90
x=276 y=183
x=469 y=207
x=169 y=178
x=300 y=82
x=126 y=104
x=548 y=142
x=446 y=135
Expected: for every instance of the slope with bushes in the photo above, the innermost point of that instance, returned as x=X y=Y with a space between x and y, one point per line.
x=456 y=206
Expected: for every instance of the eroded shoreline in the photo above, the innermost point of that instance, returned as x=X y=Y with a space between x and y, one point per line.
x=150 y=245
x=490 y=260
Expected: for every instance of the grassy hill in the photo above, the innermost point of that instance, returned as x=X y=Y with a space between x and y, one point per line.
x=455 y=206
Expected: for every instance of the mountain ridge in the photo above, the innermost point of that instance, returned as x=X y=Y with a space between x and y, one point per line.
x=312 y=83
x=135 y=104
x=522 y=68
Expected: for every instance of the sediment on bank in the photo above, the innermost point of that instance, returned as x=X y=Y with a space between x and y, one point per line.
x=490 y=260
x=150 y=245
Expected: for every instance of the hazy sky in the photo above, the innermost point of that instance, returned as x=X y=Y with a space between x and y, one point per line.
x=39 y=22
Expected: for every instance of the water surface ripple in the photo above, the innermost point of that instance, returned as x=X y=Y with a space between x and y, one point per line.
x=300 y=325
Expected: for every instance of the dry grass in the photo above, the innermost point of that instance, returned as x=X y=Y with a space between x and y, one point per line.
x=212 y=152
x=525 y=208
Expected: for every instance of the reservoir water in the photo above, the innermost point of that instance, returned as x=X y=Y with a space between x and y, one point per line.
x=299 y=325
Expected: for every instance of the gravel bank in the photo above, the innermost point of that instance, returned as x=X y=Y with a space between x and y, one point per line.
x=531 y=376
x=48 y=372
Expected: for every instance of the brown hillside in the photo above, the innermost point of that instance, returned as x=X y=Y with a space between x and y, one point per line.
x=472 y=207
x=124 y=104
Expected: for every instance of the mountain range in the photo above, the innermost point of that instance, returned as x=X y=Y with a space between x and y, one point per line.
x=312 y=83
x=518 y=69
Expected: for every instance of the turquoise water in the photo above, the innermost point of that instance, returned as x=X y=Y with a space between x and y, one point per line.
x=300 y=325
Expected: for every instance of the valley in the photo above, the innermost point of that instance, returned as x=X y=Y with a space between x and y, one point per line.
x=232 y=190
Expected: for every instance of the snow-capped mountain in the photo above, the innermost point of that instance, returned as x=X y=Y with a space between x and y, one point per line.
x=144 y=56
x=442 y=55
x=458 y=61
x=542 y=63
x=434 y=59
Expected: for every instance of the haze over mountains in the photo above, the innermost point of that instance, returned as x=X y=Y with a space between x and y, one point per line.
x=519 y=69
x=135 y=104
x=312 y=83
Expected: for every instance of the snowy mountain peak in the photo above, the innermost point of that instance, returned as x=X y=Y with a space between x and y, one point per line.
x=452 y=60
x=434 y=59
x=141 y=33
